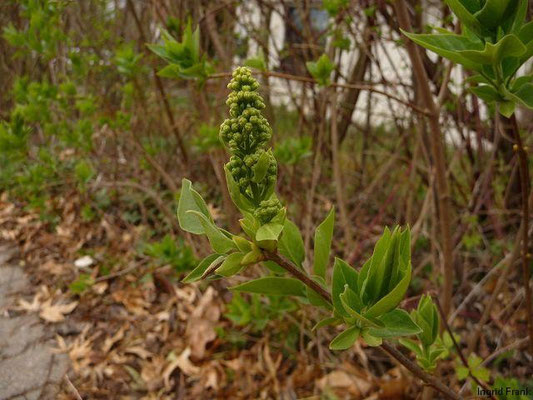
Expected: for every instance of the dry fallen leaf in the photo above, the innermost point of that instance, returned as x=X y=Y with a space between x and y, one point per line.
x=138 y=351
x=53 y=267
x=341 y=380
x=56 y=312
x=152 y=372
x=99 y=288
x=183 y=363
x=394 y=386
x=201 y=326
x=110 y=341
x=35 y=304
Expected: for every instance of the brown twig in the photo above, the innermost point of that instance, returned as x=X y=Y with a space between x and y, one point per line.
x=299 y=274
x=509 y=261
x=521 y=238
x=73 y=388
x=122 y=272
x=458 y=349
x=388 y=348
x=337 y=171
x=515 y=345
x=315 y=175
x=524 y=189
x=354 y=86
x=437 y=149
x=162 y=92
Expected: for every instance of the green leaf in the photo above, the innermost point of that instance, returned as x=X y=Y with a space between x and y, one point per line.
x=426 y=335
x=346 y=339
x=473 y=6
x=190 y=200
x=323 y=236
x=428 y=312
x=274 y=267
x=252 y=257
x=197 y=70
x=435 y=354
x=242 y=244
x=320 y=69
x=382 y=273
x=405 y=252
x=492 y=13
x=521 y=80
x=345 y=298
x=397 y=323
x=524 y=95
x=520 y=15
x=373 y=262
x=481 y=373
x=526 y=37
x=231 y=265
x=412 y=345
x=462 y=372
x=273 y=285
x=486 y=92
x=370 y=339
x=291 y=244
x=218 y=240
x=508 y=46
x=343 y=274
x=261 y=167
x=447 y=340
x=448 y=46
x=270 y=231
x=249 y=224
x=314 y=298
x=474 y=361
x=80 y=285
x=192 y=41
x=171 y=71
x=464 y=15
x=257 y=62
x=477 y=78
x=210 y=261
x=158 y=50
x=352 y=299
x=393 y=298
x=326 y=322
x=507 y=108
x=238 y=199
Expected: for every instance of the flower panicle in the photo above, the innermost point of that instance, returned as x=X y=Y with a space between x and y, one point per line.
x=246 y=135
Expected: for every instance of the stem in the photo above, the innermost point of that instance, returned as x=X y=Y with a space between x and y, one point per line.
x=162 y=92
x=337 y=171
x=315 y=175
x=299 y=274
x=387 y=347
x=437 y=149
x=458 y=349
x=353 y=86
x=504 y=265
x=419 y=373
x=524 y=188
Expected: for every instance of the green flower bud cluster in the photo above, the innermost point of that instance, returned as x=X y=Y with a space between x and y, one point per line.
x=241 y=169
x=247 y=130
x=267 y=210
x=246 y=134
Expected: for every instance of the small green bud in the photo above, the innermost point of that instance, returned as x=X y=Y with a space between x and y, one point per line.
x=267 y=210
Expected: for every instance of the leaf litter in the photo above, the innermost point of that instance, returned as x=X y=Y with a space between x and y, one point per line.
x=129 y=337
